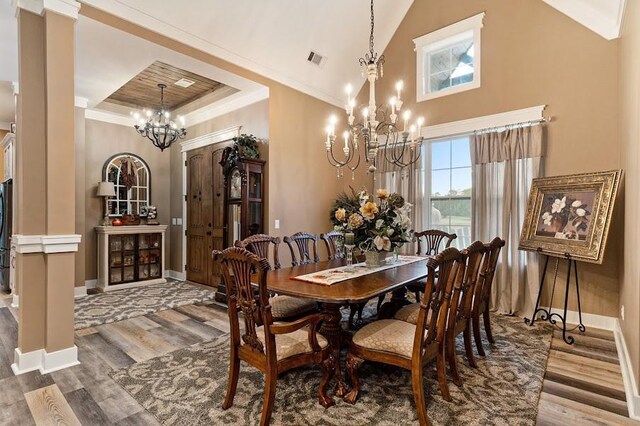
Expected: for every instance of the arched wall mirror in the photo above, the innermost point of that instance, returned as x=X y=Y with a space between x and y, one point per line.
x=132 y=180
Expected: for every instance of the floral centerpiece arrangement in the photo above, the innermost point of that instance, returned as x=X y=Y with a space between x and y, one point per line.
x=378 y=224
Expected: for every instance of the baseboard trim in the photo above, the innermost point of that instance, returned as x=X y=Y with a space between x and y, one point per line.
x=80 y=291
x=91 y=284
x=15 y=301
x=630 y=387
x=45 y=362
x=589 y=320
x=59 y=360
x=179 y=276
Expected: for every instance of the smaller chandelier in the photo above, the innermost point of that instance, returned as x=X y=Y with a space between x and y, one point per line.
x=157 y=125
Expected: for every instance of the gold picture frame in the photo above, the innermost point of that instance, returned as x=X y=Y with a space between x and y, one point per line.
x=570 y=215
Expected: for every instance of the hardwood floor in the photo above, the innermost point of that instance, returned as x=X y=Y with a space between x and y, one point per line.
x=582 y=386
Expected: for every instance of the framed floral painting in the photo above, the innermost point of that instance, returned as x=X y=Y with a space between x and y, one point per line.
x=570 y=215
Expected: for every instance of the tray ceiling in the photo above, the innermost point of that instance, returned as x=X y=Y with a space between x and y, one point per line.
x=142 y=90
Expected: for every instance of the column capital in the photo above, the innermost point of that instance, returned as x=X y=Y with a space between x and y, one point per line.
x=68 y=8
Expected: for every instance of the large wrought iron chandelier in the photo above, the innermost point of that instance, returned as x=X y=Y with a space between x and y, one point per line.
x=157 y=125
x=379 y=128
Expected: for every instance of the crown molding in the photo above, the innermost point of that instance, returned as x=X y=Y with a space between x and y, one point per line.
x=602 y=23
x=69 y=8
x=211 y=138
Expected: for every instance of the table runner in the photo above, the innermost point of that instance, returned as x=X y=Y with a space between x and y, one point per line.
x=336 y=275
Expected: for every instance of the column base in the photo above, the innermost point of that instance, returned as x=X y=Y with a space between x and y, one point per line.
x=45 y=362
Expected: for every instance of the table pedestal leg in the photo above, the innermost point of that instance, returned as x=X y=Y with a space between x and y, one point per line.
x=398 y=300
x=332 y=330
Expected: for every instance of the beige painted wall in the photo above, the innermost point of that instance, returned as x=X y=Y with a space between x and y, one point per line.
x=629 y=107
x=3 y=133
x=254 y=119
x=531 y=55
x=102 y=140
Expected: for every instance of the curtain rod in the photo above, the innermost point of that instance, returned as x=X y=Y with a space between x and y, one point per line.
x=513 y=125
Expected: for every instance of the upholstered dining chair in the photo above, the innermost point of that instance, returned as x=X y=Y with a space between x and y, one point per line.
x=433 y=239
x=272 y=347
x=412 y=346
x=302 y=241
x=331 y=241
x=460 y=322
x=282 y=307
x=483 y=294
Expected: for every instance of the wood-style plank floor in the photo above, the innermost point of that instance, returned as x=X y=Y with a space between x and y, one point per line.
x=582 y=386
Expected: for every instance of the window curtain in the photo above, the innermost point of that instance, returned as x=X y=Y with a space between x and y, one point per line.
x=408 y=182
x=503 y=165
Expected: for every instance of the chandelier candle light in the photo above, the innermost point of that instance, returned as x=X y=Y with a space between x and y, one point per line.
x=157 y=125
x=379 y=128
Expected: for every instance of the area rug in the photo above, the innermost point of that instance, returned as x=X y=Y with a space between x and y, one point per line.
x=118 y=305
x=187 y=387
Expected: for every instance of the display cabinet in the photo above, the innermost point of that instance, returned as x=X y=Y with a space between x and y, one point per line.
x=129 y=256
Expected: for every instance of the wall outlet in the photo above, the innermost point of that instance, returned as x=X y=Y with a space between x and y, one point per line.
x=179 y=221
x=276 y=224
x=622 y=312
x=174 y=221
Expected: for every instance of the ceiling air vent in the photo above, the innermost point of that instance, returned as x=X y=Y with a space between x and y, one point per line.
x=316 y=58
x=183 y=82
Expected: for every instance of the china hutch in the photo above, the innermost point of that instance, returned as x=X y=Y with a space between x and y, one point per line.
x=130 y=256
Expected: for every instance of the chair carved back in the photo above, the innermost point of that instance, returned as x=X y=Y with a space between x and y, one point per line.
x=332 y=241
x=433 y=239
x=237 y=265
x=445 y=273
x=475 y=254
x=302 y=241
x=259 y=245
x=487 y=273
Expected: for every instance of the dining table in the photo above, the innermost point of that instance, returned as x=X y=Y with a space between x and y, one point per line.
x=350 y=291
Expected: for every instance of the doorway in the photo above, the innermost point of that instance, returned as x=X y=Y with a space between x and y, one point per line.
x=205 y=226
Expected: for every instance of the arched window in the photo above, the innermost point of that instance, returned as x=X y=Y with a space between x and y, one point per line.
x=132 y=180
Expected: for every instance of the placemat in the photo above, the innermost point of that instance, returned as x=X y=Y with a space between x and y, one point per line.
x=342 y=273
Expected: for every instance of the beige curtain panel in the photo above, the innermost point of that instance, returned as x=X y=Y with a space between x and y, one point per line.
x=504 y=163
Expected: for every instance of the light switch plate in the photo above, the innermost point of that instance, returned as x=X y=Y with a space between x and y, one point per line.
x=179 y=220
x=174 y=221
x=276 y=224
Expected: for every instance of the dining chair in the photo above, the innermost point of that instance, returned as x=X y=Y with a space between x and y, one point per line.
x=282 y=307
x=433 y=240
x=331 y=241
x=272 y=347
x=483 y=294
x=412 y=346
x=460 y=321
x=302 y=241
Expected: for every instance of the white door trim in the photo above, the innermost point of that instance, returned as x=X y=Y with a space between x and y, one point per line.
x=186 y=146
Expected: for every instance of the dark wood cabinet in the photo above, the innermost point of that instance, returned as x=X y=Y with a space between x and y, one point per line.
x=244 y=201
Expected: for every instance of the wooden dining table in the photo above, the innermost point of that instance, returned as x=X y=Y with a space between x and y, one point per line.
x=352 y=291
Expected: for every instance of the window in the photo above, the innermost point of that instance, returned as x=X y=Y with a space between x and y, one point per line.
x=447 y=188
x=448 y=60
x=132 y=180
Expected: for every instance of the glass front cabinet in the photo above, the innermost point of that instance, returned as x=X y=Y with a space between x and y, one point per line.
x=129 y=256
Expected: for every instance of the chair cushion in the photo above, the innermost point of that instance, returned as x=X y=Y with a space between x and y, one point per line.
x=288 y=306
x=292 y=343
x=409 y=313
x=389 y=335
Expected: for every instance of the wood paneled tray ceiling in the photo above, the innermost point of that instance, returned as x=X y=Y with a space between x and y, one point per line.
x=142 y=90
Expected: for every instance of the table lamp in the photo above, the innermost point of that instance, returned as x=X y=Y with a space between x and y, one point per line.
x=106 y=190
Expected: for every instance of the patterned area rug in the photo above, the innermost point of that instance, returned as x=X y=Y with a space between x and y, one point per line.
x=187 y=387
x=118 y=305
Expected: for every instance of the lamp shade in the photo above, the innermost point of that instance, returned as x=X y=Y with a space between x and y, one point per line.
x=106 y=189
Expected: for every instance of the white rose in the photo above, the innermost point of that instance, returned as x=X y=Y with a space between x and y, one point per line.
x=581 y=212
x=576 y=203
